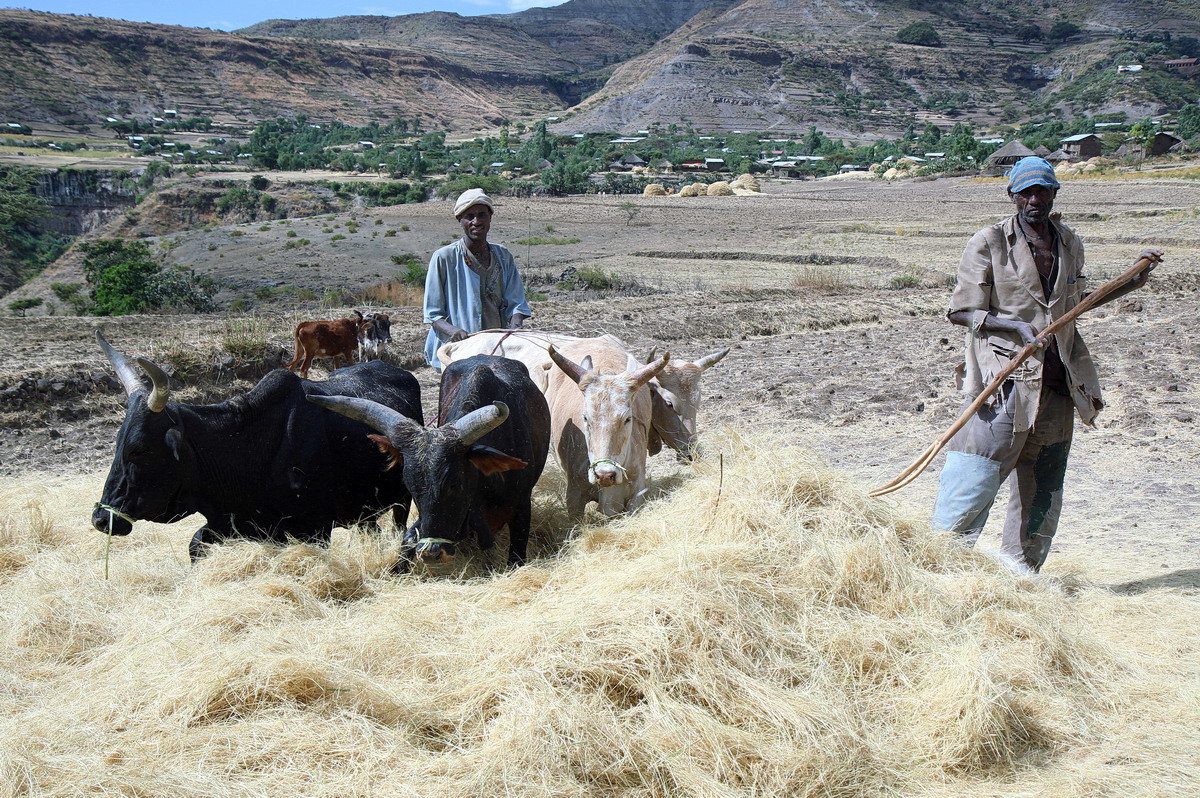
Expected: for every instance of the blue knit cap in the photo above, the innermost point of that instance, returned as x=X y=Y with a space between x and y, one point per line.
x=1031 y=171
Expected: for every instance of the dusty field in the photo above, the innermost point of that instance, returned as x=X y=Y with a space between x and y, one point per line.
x=831 y=295
x=798 y=280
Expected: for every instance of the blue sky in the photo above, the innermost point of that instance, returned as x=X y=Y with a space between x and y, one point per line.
x=233 y=14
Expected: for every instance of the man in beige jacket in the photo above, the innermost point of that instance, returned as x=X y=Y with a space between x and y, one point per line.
x=1015 y=278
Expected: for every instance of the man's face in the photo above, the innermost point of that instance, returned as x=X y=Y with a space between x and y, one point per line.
x=1034 y=203
x=476 y=221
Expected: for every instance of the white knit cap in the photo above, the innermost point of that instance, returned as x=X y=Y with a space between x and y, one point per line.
x=472 y=196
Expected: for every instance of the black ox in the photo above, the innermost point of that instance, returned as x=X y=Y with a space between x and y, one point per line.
x=266 y=466
x=474 y=472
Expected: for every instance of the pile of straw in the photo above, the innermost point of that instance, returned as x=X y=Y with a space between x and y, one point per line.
x=654 y=190
x=720 y=189
x=746 y=182
x=694 y=190
x=764 y=630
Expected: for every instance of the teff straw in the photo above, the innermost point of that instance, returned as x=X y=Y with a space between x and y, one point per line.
x=1090 y=301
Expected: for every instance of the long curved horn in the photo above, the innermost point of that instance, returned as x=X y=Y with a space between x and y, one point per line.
x=477 y=423
x=650 y=355
x=569 y=367
x=374 y=415
x=648 y=372
x=125 y=372
x=711 y=360
x=162 y=385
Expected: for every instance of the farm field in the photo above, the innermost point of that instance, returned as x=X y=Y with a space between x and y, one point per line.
x=763 y=628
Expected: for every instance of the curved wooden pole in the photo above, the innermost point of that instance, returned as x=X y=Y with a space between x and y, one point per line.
x=1087 y=303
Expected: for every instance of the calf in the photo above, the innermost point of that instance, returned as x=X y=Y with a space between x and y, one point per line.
x=373 y=333
x=476 y=471
x=600 y=411
x=336 y=339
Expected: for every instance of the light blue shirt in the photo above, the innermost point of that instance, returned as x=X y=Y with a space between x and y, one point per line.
x=452 y=293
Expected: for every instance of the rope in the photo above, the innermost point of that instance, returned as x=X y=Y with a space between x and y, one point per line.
x=112 y=511
x=610 y=461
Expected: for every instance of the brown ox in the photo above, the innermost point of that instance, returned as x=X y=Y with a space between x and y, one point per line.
x=600 y=412
x=336 y=339
x=675 y=392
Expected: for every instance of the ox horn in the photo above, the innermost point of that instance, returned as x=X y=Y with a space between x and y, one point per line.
x=161 y=392
x=711 y=360
x=376 y=416
x=125 y=371
x=651 y=354
x=477 y=423
x=648 y=372
x=569 y=367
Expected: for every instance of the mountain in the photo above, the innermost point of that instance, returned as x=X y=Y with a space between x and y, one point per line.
x=620 y=65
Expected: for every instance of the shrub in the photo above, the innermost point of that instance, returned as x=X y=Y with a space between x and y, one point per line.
x=125 y=279
x=1062 y=30
x=258 y=182
x=919 y=33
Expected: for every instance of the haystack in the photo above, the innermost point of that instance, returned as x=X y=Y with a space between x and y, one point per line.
x=746 y=181
x=766 y=629
x=694 y=190
x=654 y=190
x=720 y=189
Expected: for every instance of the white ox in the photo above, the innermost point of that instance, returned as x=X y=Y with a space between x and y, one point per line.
x=675 y=392
x=600 y=412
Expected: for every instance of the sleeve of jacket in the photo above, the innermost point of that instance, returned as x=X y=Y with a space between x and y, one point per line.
x=436 y=306
x=514 y=287
x=973 y=287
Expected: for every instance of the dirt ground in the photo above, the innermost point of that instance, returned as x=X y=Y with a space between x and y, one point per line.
x=831 y=294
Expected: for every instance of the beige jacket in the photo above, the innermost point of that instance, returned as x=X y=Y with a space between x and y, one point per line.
x=997 y=274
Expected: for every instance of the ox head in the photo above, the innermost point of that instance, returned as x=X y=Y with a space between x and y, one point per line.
x=442 y=467
x=383 y=327
x=144 y=481
x=676 y=395
x=610 y=413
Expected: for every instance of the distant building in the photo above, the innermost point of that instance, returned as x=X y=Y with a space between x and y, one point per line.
x=1184 y=66
x=632 y=160
x=1162 y=143
x=367 y=145
x=999 y=161
x=170 y=113
x=1058 y=156
x=852 y=167
x=1085 y=145
x=714 y=164
x=1129 y=68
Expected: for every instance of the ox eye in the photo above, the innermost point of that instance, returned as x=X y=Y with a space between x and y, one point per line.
x=628 y=419
x=670 y=404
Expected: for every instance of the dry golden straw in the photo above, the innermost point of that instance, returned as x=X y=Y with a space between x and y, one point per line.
x=796 y=638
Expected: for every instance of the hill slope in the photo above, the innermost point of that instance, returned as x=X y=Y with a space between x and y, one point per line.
x=714 y=64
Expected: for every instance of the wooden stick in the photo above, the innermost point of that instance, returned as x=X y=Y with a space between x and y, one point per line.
x=1090 y=301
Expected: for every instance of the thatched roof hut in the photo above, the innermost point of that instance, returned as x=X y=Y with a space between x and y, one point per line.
x=1009 y=154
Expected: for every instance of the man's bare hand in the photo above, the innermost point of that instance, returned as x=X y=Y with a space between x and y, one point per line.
x=1143 y=277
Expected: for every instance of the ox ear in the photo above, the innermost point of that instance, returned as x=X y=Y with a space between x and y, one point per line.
x=640 y=377
x=649 y=358
x=394 y=456
x=176 y=443
x=711 y=360
x=493 y=461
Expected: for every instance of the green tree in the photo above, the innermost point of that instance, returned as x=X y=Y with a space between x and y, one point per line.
x=1187 y=121
x=121 y=276
x=22 y=305
x=1062 y=30
x=919 y=33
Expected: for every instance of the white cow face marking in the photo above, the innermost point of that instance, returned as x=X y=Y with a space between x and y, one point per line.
x=608 y=422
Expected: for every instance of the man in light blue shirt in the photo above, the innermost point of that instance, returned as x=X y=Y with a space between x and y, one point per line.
x=471 y=285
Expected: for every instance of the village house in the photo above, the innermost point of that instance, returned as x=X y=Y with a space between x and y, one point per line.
x=1082 y=146
x=1183 y=66
x=1002 y=159
x=1161 y=143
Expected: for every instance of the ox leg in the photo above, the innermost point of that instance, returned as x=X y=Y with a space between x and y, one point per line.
x=408 y=550
x=576 y=501
x=483 y=529
x=518 y=534
x=205 y=536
